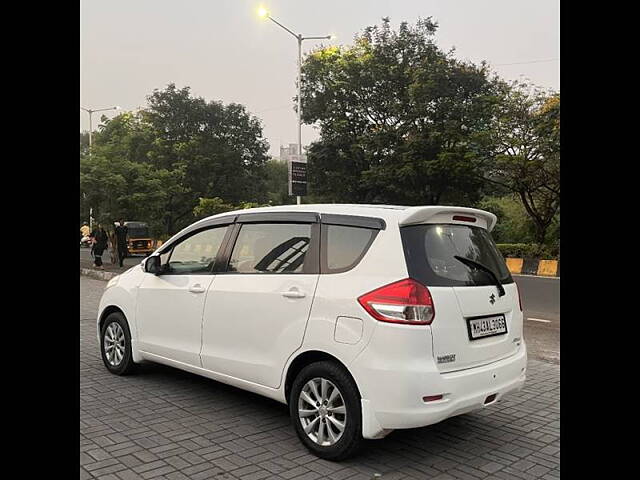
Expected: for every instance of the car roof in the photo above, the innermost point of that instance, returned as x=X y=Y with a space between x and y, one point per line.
x=342 y=208
x=401 y=214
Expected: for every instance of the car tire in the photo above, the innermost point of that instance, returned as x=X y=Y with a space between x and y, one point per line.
x=115 y=344
x=327 y=441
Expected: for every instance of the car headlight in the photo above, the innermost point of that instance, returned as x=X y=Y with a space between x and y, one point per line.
x=113 y=282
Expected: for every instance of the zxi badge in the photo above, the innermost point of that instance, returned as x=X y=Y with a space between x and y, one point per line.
x=492 y=299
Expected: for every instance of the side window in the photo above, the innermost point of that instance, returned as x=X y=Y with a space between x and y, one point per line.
x=344 y=246
x=270 y=248
x=197 y=253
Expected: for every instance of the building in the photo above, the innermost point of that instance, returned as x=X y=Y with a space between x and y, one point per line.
x=287 y=151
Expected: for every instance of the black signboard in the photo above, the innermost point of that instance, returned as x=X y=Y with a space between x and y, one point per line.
x=298 y=179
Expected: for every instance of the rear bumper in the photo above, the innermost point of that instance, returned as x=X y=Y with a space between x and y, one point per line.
x=397 y=400
x=139 y=251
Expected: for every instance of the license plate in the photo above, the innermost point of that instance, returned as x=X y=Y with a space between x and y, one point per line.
x=482 y=327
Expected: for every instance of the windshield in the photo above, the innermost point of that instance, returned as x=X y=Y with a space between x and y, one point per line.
x=137 y=230
x=430 y=250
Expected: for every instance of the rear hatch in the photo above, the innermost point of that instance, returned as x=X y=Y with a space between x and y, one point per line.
x=475 y=323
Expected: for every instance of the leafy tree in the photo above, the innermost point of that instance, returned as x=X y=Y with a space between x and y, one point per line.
x=525 y=153
x=211 y=206
x=84 y=143
x=514 y=224
x=277 y=177
x=156 y=164
x=398 y=118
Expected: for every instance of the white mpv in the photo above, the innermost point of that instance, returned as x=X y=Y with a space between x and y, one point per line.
x=362 y=318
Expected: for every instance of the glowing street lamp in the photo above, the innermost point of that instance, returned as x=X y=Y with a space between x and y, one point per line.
x=264 y=13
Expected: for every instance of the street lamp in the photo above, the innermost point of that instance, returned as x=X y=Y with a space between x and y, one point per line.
x=264 y=13
x=91 y=112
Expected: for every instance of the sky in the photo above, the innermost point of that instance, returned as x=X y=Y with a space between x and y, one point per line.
x=225 y=52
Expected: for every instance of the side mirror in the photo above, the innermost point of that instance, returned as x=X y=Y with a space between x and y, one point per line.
x=152 y=265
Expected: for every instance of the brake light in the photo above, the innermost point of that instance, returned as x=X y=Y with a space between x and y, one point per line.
x=461 y=218
x=405 y=301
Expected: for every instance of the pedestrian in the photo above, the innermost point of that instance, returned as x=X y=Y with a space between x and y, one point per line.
x=84 y=231
x=100 y=240
x=121 y=241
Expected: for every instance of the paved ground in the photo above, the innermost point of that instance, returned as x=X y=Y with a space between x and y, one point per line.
x=541 y=305
x=163 y=423
x=87 y=261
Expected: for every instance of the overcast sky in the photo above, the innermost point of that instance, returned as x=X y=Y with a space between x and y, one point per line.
x=223 y=51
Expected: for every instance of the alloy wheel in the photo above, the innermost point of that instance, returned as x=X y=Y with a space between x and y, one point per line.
x=114 y=344
x=322 y=411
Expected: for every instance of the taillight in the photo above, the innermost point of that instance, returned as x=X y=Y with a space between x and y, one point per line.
x=519 y=297
x=405 y=301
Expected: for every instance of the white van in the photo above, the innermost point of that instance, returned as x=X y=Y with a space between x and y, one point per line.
x=362 y=318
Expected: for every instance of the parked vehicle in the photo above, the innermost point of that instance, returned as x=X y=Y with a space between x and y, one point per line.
x=363 y=319
x=139 y=242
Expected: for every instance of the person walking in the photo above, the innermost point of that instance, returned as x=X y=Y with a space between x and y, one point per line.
x=121 y=241
x=100 y=240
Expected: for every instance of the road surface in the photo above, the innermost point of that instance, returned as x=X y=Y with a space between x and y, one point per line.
x=541 y=306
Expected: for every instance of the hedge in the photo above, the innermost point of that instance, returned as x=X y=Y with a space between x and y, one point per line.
x=528 y=250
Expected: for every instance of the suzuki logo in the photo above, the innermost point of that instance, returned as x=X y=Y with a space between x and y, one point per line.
x=492 y=299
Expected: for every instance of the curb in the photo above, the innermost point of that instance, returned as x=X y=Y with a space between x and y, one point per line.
x=97 y=274
x=534 y=267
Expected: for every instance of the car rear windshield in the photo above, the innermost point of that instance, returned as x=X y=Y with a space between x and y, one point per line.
x=430 y=252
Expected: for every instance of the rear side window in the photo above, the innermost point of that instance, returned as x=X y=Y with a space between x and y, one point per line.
x=270 y=248
x=430 y=249
x=344 y=246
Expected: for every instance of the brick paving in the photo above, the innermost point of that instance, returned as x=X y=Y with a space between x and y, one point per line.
x=162 y=423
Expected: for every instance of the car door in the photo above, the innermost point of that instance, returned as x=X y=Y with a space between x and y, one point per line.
x=169 y=305
x=256 y=313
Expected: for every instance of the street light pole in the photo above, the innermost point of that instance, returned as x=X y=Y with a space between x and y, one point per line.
x=299 y=104
x=264 y=13
x=91 y=112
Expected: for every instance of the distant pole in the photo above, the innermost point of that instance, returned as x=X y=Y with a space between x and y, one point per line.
x=299 y=104
x=91 y=111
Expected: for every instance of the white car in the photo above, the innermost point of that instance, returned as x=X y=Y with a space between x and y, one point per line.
x=362 y=318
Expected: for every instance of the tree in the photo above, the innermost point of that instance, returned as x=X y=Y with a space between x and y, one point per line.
x=211 y=206
x=398 y=118
x=277 y=178
x=156 y=164
x=525 y=153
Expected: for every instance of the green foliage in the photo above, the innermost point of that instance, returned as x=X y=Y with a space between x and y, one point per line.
x=528 y=250
x=523 y=152
x=399 y=119
x=156 y=164
x=514 y=224
x=277 y=178
x=211 y=206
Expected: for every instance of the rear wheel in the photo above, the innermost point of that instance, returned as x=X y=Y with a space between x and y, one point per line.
x=325 y=409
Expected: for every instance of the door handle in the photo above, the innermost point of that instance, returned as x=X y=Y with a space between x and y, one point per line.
x=197 y=288
x=293 y=294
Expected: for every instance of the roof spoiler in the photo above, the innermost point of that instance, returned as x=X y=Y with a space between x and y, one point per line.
x=438 y=214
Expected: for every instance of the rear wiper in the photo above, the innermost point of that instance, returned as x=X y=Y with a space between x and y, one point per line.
x=472 y=263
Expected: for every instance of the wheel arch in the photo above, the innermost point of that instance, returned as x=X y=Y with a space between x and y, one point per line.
x=108 y=310
x=306 y=358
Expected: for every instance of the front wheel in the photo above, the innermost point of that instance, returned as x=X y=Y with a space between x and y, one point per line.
x=115 y=344
x=325 y=409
